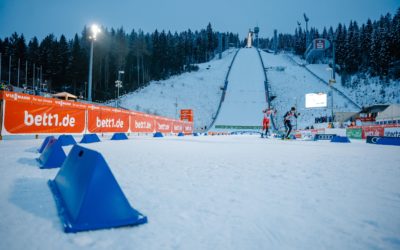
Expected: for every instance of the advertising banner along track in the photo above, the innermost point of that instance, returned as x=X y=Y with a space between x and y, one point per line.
x=28 y=114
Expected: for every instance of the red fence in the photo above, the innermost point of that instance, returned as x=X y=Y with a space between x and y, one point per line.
x=28 y=114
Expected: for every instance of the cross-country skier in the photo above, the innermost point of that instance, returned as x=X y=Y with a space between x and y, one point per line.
x=267 y=119
x=287 y=120
x=265 y=124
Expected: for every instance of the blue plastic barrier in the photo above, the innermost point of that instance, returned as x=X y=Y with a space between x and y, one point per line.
x=88 y=196
x=326 y=137
x=384 y=140
x=66 y=140
x=340 y=139
x=90 y=138
x=53 y=155
x=195 y=134
x=119 y=136
x=158 y=134
x=44 y=143
x=181 y=134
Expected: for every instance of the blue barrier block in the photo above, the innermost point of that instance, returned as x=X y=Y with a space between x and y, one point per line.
x=327 y=137
x=44 y=143
x=293 y=137
x=119 y=136
x=66 y=140
x=88 y=196
x=53 y=155
x=90 y=138
x=340 y=139
x=195 y=134
x=384 y=140
x=181 y=134
x=158 y=134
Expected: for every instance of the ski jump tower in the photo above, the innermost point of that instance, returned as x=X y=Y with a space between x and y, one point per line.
x=249 y=39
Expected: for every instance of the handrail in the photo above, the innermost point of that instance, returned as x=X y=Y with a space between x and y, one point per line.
x=265 y=81
x=223 y=92
x=268 y=100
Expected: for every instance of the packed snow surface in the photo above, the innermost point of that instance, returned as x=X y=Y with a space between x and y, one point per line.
x=214 y=192
x=245 y=94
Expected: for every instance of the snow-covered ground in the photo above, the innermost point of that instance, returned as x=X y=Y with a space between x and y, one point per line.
x=234 y=192
x=245 y=94
x=200 y=91
x=367 y=91
x=291 y=82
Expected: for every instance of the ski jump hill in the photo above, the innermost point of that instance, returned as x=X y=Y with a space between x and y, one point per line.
x=254 y=76
x=229 y=94
x=244 y=97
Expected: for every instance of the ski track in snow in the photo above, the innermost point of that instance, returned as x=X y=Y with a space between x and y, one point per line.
x=234 y=192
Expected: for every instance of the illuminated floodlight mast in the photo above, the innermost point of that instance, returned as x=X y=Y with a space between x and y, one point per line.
x=94 y=30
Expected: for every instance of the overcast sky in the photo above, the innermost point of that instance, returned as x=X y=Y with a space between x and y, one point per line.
x=42 y=17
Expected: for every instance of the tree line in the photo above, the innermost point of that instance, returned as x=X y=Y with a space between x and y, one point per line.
x=372 y=48
x=63 y=64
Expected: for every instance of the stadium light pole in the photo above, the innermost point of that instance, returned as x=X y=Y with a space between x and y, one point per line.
x=306 y=19
x=118 y=84
x=331 y=81
x=94 y=31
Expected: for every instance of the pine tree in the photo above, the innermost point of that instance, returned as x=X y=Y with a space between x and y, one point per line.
x=374 y=51
x=384 y=56
x=340 y=41
x=365 y=45
x=352 y=49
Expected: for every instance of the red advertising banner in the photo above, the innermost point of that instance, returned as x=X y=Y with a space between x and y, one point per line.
x=187 y=128
x=177 y=127
x=163 y=125
x=187 y=115
x=28 y=114
x=105 y=120
x=372 y=131
x=378 y=130
x=142 y=123
x=30 y=118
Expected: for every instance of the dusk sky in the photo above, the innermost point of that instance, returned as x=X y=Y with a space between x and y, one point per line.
x=42 y=17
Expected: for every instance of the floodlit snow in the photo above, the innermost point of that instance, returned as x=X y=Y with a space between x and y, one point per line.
x=365 y=93
x=245 y=94
x=214 y=192
x=291 y=82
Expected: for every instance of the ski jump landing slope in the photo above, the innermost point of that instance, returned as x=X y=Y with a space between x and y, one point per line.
x=245 y=95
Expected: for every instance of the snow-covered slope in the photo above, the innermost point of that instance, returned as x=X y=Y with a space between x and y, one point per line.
x=365 y=92
x=363 y=89
x=245 y=94
x=290 y=82
x=200 y=91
